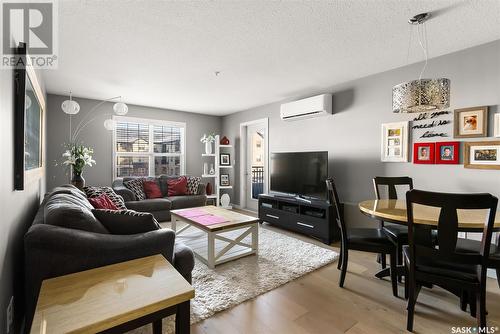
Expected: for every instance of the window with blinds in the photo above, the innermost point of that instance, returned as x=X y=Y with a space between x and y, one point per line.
x=148 y=147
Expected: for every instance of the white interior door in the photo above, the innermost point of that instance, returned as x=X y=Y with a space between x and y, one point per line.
x=256 y=163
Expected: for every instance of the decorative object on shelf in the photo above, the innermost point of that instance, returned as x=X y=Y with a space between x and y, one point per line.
x=225 y=200
x=77 y=157
x=482 y=155
x=208 y=140
x=421 y=95
x=447 y=152
x=394 y=146
x=224 y=180
x=431 y=125
x=205 y=168
x=423 y=153
x=209 y=189
x=212 y=169
x=496 y=131
x=471 y=122
x=224 y=141
x=225 y=159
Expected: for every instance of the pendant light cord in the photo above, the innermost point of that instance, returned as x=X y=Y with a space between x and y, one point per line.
x=422 y=40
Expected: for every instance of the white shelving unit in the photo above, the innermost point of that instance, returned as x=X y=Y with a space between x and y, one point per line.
x=215 y=178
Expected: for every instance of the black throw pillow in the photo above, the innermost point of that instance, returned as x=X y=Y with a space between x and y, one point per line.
x=126 y=221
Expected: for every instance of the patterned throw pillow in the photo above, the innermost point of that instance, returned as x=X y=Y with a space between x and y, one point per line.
x=92 y=192
x=192 y=184
x=137 y=188
x=126 y=221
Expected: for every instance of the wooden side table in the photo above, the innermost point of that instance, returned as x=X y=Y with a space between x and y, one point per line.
x=114 y=299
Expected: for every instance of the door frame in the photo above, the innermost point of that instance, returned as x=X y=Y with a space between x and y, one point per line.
x=243 y=158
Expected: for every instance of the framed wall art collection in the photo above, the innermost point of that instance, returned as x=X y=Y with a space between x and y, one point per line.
x=467 y=123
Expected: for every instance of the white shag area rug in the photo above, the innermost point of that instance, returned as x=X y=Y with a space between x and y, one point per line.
x=281 y=259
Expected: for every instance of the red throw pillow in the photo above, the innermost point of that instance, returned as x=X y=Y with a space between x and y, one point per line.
x=103 y=202
x=152 y=189
x=177 y=187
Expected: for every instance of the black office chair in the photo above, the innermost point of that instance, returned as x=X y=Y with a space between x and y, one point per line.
x=372 y=240
x=398 y=233
x=440 y=262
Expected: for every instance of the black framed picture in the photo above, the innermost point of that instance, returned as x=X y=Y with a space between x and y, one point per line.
x=28 y=121
x=225 y=159
x=224 y=180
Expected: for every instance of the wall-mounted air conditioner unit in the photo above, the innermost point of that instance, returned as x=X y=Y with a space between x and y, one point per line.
x=315 y=106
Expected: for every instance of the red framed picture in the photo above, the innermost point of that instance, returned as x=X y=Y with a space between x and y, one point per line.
x=447 y=152
x=423 y=153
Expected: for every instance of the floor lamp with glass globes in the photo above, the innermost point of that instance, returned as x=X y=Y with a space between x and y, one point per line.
x=71 y=108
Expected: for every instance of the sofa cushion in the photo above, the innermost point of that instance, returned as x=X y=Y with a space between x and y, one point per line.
x=102 y=202
x=92 y=192
x=152 y=189
x=150 y=205
x=136 y=185
x=177 y=187
x=192 y=184
x=69 y=211
x=187 y=201
x=126 y=221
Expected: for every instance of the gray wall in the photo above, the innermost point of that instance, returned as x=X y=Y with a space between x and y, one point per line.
x=97 y=137
x=352 y=134
x=18 y=208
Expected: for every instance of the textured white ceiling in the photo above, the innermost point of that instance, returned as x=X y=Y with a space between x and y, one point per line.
x=164 y=53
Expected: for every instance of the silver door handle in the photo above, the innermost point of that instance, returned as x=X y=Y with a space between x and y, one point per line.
x=306 y=225
x=272 y=216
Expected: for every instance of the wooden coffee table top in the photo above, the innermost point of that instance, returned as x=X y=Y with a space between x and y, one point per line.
x=235 y=219
x=98 y=299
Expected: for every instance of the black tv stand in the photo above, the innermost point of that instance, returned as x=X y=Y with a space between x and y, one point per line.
x=311 y=217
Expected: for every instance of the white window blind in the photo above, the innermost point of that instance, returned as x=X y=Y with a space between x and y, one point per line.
x=144 y=147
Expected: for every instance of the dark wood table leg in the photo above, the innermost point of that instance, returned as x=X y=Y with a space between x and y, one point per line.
x=182 y=318
x=157 y=326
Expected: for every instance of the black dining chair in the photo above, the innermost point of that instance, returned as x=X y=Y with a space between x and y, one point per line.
x=398 y=233
x=474 y=246
x=439 y=262
x=372 y=240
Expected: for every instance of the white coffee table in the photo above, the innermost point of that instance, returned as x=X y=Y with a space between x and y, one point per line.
x=220 y=242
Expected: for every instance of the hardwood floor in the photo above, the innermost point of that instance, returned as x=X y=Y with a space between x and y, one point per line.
x=314 y=303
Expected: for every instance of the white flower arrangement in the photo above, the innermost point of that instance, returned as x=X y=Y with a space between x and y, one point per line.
x=210 y=138
x=78 y=156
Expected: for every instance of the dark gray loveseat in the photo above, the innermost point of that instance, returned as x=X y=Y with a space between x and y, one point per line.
x=159 y=207
x=65 y=238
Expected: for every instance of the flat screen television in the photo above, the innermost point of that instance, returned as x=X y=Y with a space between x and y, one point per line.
x=299 y=173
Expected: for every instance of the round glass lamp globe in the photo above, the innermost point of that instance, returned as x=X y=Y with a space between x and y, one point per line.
x=70 y=107
x=109 y=124
x=120 y=108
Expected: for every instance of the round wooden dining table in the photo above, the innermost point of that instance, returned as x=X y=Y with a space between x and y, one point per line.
x=394 y=211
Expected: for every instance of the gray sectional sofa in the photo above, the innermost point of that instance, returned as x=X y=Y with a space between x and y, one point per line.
x=65 y=238
x=159 y=207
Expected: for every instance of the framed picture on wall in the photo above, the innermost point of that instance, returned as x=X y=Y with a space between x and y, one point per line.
x=28 y=122
x=447 y=152
x=224 y=180
x=394 y=145
x=471 y=122
x=482 y=155
x=497 y=125
x=225 y=159
x=423 y=153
